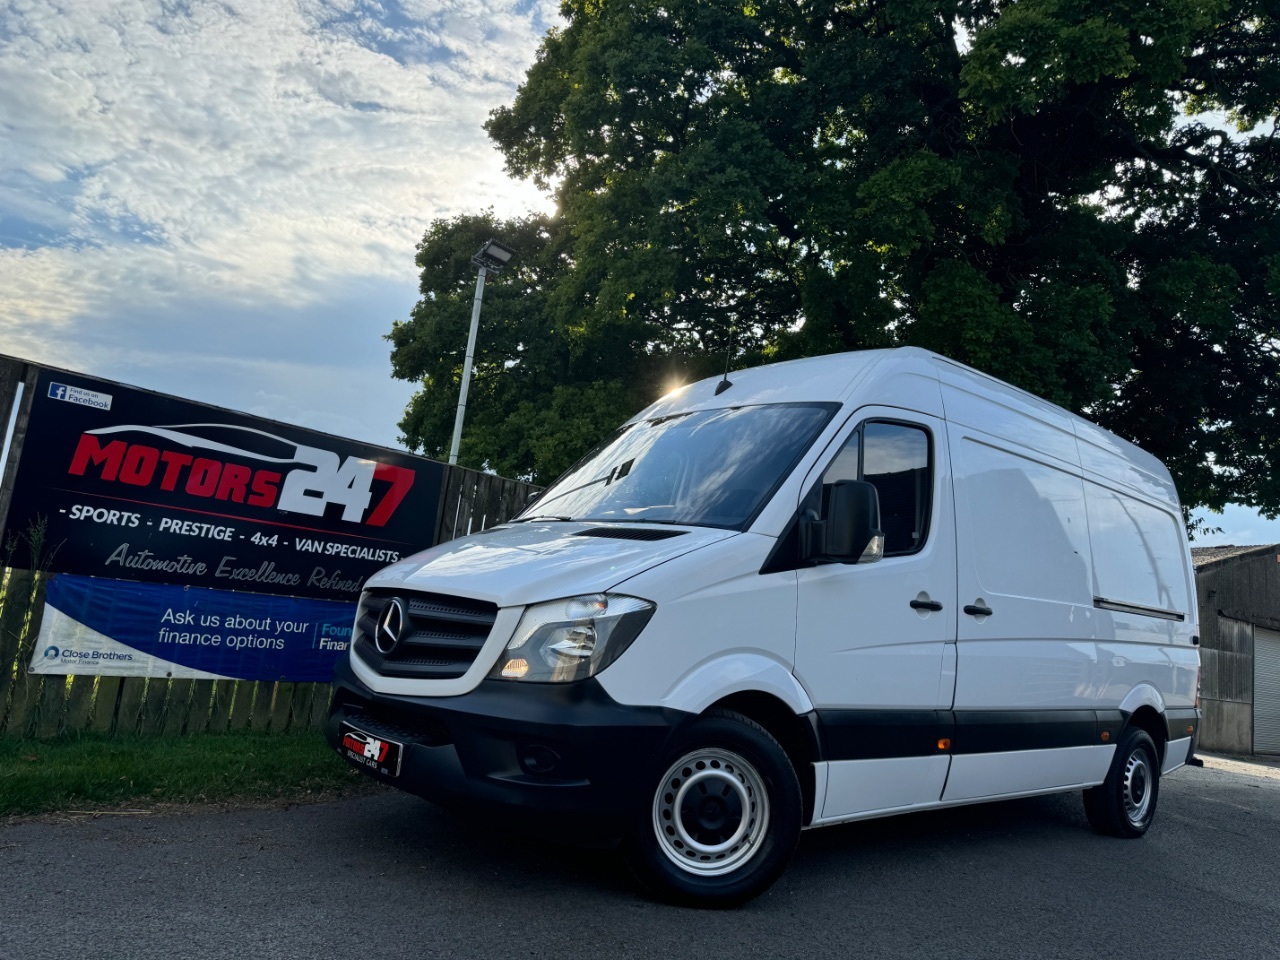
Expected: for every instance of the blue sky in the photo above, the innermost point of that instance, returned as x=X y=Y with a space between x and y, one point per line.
x=221 y=201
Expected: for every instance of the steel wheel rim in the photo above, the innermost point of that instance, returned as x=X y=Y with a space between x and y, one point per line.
x=1137 y=787
x=711 y=812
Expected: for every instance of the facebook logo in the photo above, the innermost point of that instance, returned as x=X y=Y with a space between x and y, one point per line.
x=86 y=398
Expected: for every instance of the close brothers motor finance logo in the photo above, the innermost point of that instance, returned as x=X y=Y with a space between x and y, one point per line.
x=367 y=748
x=222 y=462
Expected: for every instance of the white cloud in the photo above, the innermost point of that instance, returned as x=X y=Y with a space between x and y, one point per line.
x=250 y=153
x=222 y=201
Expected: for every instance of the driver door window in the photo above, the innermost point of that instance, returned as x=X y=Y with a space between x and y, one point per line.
x=895 y=458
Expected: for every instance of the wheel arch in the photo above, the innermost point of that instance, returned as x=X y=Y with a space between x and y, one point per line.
x=718 y=678
x=795 y=732
x=1146 y=718
x=1144 y=708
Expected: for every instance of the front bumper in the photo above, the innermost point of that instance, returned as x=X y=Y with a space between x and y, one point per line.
x=564 y=748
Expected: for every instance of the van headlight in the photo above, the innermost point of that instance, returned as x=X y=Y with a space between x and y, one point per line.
x=572 y=639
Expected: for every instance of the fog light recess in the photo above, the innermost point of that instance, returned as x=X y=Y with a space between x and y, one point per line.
x=539 y=759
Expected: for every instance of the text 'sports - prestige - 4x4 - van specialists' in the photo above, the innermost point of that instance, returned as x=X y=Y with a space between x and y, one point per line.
x=838 y=588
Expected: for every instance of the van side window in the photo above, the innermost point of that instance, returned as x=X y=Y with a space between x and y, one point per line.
x=895 y=459
x=1137 y=551
x=1004 y=491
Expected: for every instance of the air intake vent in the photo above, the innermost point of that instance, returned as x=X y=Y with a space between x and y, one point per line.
x=626 y=533
x=440 y=642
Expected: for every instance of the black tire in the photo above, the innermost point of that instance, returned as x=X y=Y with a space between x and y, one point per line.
x=723 y=817
x=1124 y=805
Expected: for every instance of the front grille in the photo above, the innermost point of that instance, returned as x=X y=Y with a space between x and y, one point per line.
x=440 y=642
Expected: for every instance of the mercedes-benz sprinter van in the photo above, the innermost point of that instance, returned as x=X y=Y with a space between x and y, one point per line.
x=832 y=589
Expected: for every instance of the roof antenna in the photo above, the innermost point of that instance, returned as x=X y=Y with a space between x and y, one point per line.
x=726 y=383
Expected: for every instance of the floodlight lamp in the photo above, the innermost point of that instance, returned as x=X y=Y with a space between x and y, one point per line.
x=493 y=256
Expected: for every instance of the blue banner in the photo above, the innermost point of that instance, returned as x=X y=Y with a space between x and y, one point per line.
x=126 y=629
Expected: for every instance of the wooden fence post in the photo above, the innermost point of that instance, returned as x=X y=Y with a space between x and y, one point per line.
x=128 y=714
x=200 y=713
x=320 y=704
x=105 y=700
x=79 y=703
x=300 y=709
x=53 y=701
x=15 y=604
x=176 y=707
x=242 y=707
x=281 y=707
x=220 y=710
x=152 y=720
x=28 y=687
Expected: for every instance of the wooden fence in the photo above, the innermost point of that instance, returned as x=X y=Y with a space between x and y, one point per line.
x=46 y=705
x=476 y=501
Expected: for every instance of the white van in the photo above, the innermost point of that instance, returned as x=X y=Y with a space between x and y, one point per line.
x=837 y=588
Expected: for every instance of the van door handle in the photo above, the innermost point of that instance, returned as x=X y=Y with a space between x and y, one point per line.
x=975 y=610
x=933 y=605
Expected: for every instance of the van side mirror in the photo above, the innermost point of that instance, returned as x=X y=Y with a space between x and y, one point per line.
x=850 y=532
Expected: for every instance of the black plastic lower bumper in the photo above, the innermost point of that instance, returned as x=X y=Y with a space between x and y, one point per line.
x=1182 y=722
x=567 y=748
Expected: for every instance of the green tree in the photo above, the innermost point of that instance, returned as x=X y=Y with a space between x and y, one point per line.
x=1080 y=198
x=547 y=384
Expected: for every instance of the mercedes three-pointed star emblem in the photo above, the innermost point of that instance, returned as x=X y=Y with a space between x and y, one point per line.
x=391 y=626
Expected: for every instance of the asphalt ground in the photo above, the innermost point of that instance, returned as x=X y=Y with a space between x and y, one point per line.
x=388 y=875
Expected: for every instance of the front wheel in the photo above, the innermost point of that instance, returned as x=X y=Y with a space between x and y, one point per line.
x=1125 y=803
x=724 y=817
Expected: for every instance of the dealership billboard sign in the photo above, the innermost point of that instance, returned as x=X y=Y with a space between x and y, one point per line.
x=114 y=628
x=135 y=485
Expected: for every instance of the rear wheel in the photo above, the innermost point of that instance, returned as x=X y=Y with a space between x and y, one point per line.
x=1125 y=803
x=723 y=819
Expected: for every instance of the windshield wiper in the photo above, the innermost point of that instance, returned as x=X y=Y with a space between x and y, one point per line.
x=541 y=516
x=617 y=473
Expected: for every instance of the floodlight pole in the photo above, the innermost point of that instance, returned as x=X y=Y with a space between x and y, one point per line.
x=466 y=365
x=493 y=256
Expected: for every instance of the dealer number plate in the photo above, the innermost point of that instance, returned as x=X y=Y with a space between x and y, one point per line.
x=376 y=754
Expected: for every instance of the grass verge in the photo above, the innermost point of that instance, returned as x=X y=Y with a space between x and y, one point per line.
x=95 y=772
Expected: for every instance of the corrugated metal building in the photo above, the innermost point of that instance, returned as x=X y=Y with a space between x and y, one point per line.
x=1239 y=593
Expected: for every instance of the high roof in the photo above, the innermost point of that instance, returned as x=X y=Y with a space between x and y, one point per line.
x=917 y=379
x=812 y=379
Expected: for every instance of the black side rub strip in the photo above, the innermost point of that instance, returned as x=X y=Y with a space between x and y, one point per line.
x=1102 y=603
x=882 y=734
x=1000 y=731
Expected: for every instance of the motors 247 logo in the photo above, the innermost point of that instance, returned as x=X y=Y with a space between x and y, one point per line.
x=233 y=464
x=363 y=748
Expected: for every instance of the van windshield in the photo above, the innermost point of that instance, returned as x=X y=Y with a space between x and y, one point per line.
x=712 y=468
